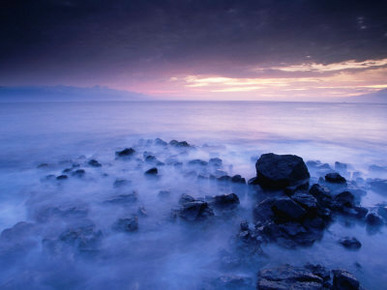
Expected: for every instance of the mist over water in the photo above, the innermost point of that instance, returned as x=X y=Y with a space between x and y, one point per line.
x=165 y=253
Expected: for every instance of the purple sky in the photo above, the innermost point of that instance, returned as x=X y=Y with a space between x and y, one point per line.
x=187 y=49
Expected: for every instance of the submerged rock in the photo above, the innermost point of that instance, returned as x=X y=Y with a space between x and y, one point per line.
x=350 y=243
x=335 y=178
x=215 y=162
x=126 y=224
x=197 y=162
x=124 y=199
x=84 y=238
x=343 y=280
x=231 y=282
x=225 y=201
x=127 y=152
x=193 y=209
x=281 y=171
x=62 y=177
x=373 y=219
x=152 y=171
x=94 y=163
x=79 y=173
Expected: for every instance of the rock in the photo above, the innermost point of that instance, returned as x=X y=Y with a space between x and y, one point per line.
x=67 y=170
x=238 y=179
x=228 y=201
x=85 y=237
x=287 y=210
x=373 y=219
x=153 y=160
x=289 y=277
x=307 y=201
x=62 y=177
x=344 y=199
x=126 y=224
x=350 y=243
x=121 y=183
x=94 y=163
x=335 y=178
x=193 y=210
x=322 y=194
x=42 y=165
x=79 y=173
x=124 y=199
x=379 y=185
x=152 y=171
x=343 y=280
x=215 y=162
x=179 y=144
x=127 y=152
x=44 y=214
x=232 y=282
x=262 y=211
x=382 y=211
x=224 y=178
x=160 y=142
x=281 y=171
x=197 y=162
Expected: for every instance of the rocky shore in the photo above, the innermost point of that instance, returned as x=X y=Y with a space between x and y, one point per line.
x=154 y=185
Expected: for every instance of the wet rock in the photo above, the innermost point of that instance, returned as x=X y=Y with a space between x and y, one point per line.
x=281 y=171
x=127 y=152
x=286 y=209
x=124 y=199
x=307 y=201
x=224 y=178
x=67 y=170
x=193 y=209
x=350 y=243
x=121 y=183
x=226 y=201
x=357 y=212
x=197 y=162
x=343 y=280
x=231 y=282
x=62 y=177
x=152 y=171
x=94 y=163
x=153 y=160
x=176 y=143
x=373 y=219
x=238 y=179
x=322 y=194
x=126 y=224
x=335 y=178
x=160 y=142
x=378 y=185
x=289 y=277
x=78 y=173
x=85 y=238
x=344 y=199
x=215 y=162
x=262 y=211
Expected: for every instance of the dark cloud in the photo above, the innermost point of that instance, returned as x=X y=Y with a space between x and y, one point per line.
x=129 y=35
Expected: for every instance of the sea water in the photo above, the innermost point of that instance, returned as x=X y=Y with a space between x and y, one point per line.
x=165 y=254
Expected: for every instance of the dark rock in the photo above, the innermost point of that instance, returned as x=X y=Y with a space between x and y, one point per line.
x=281 y=171
x=382 y=211
x=289 y=277
x=350 y=243
x=67 y=170
x=94 y=163
x=153 y=160
x=193 y=210
x=179 y=144
x=121 y=183
x=126 y=224
x=228 y=201
x=124 y=199
x=373 y=219
x=62 y=177
x=307 y=201
x=152 y=171
x=379 y=185
x=79 y=173
x=238 y=179
x=197 y=162
x=343 y=280
x=288 y=210
x=42 y=165
x=224 y=178
x=232 y=282
x=344 y=199
x=215 y=162
x=322 y=194
x=320 y=271
x=160 y=142
x=335 y=178
x=127 y=152
x=355 y=212
x=339 y=166
x=262 y=211
x=85 y=238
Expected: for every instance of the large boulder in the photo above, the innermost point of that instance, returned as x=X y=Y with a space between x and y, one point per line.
x=281 y=171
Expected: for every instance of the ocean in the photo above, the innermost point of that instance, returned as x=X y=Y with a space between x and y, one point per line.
x=165 y=254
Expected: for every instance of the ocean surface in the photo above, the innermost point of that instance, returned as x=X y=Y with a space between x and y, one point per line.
x=162 y=254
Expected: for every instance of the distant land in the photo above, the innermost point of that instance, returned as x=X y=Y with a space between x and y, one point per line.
x=67 y=93
x=101 y=93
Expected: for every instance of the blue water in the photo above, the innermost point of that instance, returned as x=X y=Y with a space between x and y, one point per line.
x=63 y=133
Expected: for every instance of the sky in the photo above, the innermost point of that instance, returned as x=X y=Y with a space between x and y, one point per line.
x=198 y=49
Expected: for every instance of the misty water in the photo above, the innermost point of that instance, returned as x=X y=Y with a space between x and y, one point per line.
x=168 y=253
